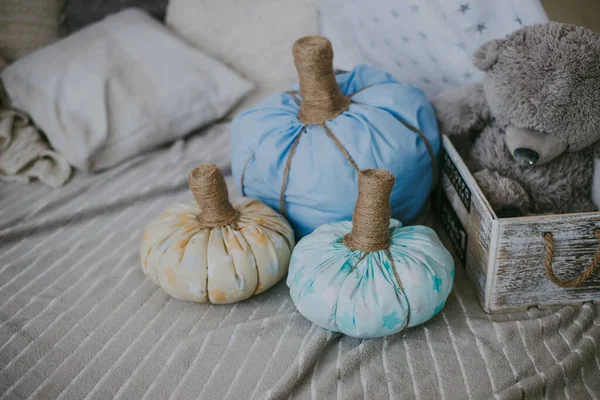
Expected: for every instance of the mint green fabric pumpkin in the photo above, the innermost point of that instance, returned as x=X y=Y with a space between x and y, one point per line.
x=371 y=277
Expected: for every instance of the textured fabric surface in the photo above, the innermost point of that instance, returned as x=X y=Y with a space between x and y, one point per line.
x=375 y=295
x=79 y=318
x=118 y=88
x=25 y=155
x=426 y=43
x=220 y=265
x=253 y=37
x=322 y=183
x=79 y=13
x=26 y=25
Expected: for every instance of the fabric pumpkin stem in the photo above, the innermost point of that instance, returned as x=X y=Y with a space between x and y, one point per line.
x=372 y=213
x=321 y=96
x=210 y=191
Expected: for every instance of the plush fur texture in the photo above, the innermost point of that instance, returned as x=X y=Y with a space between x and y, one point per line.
x=541 y=79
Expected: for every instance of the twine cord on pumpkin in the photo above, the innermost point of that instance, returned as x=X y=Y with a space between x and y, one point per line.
x=210 y=191
x=286 y=173
x=581 y=278
x=321 y=96
x=372 y=213
x=418 y=132
x=244 y=173
x=388 y=253
x=371 y=219
x=318 y=72
x=340 y=146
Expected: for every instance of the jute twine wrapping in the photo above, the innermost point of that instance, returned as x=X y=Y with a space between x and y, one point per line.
x=321 y=101
x=372 y=213
x=581 y=278
x=371 y=219
x=210 y=191
x=321 y=96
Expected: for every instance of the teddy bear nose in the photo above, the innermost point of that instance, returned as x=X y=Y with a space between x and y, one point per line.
x=526 y=156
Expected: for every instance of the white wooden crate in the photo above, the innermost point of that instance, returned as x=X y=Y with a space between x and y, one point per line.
x=505 y=257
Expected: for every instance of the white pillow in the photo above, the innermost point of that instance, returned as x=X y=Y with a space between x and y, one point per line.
x=425 y=43
x=254 y=37
x=120 y=87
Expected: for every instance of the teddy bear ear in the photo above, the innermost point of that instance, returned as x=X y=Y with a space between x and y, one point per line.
x=487 y=55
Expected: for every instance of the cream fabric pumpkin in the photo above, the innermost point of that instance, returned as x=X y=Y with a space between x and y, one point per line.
x=213 y=250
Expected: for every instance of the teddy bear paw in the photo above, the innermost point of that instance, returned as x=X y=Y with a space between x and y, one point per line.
x=506 y=196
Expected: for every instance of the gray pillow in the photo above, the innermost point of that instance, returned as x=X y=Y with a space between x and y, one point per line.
x=120 y=87
x=80 y=13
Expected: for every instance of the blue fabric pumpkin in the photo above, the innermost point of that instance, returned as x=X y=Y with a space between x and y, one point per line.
x=300 y=152
x=371 y=277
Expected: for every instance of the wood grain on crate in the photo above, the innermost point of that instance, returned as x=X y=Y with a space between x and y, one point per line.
x=520 y=279
x=477 y=220
x=505 y=258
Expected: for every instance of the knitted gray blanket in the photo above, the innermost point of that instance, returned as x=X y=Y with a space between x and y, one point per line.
x=79 y=319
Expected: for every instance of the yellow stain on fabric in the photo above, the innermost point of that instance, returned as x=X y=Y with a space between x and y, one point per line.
x=260 y=238
x=171 y=276
x=218 y=296
x=233 y=244
x=182 y=243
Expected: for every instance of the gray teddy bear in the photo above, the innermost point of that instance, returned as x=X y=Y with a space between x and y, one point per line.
x=530 y=131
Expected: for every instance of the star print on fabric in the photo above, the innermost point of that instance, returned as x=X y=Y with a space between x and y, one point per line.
x=346 y=268
x=376 y=20
x=437 y=284
x=438 y=309
x=278 y=242
x=394 y=13
x=195 y=288
x=240 y=283
x=415 y=8
x=171 y=276
x=426 y=80
x=480 y=27
x=308 y=290
x=273 y=267
x=296 y=280
x=445 y=80
x=468 y=75
x=345 y=322
x=398 y=63
x=518 y=21
x=464 y=8
x=390 y=321
x=405 y=39
x=423 y=35
x=461 y=45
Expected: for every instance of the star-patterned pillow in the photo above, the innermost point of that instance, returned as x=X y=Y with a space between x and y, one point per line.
x=423 y=43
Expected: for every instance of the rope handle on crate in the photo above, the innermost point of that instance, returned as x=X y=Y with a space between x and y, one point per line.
x=579 y=280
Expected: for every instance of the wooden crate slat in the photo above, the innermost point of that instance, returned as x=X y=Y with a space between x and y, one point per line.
x=476 y=220
x=505 y=257
x=520 y=276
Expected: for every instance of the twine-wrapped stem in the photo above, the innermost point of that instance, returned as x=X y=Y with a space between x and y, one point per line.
x=210 y=191
x=372 y=213
x=321 y=96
